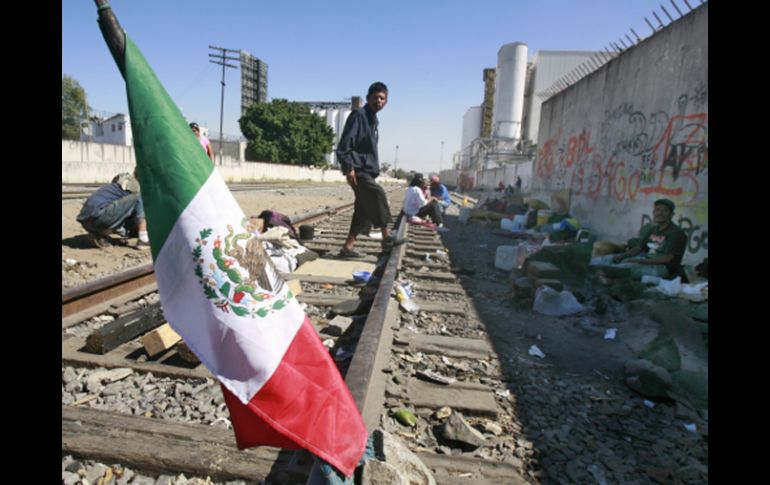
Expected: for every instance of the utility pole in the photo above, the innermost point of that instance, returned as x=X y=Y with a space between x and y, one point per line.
x=441 y=158
x=221 y=59
x=395 y=161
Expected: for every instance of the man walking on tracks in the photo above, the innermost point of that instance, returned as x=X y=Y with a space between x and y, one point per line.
x=357 y=154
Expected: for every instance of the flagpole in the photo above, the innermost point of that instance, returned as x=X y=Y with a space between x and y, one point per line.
x=157 y=118
x=113 y=34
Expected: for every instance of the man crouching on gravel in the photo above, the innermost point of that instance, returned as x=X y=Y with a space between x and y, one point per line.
x=115 y=208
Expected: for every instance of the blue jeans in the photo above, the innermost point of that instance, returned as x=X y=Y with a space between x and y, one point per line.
x=125 y=212
x=637 y=270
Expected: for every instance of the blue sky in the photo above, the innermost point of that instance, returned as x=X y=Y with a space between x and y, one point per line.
x=430 y=53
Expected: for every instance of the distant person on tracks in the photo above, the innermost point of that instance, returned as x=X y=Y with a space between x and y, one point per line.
x=417 y=206
x=440 y=192
x=357 y=155
x=115 y=208
x=205 y=143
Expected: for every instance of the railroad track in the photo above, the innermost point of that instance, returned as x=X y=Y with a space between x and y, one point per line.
x=385 y=356
x=78 y=193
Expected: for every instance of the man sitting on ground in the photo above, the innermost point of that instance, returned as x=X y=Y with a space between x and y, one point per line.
x=440 y=193
x=659 y=249
x=115 y=208
x=416 y=205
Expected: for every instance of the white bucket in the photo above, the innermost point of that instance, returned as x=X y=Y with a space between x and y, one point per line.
x=465 y=214
x=515 y=224
x=506 y=257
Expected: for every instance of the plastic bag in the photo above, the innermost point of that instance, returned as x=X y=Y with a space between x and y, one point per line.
x=525 y=251
x=695 y=292
x=404 y=300
x=670 y=288
x=555 y=303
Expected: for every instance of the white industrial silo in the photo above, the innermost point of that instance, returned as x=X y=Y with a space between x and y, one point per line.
x=331 y=120
x=471 y=126
x=508 y=109
x=342 y=117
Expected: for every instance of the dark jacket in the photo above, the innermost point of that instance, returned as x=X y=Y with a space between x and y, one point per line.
x=357 y=148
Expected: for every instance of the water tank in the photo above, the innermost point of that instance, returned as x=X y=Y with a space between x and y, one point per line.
x=508 y=107
x=471 y=125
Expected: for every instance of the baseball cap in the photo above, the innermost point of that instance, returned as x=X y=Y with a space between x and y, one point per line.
x=667 y=202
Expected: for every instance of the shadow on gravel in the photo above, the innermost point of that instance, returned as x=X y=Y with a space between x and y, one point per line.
x=81 y=241
x=573 y=418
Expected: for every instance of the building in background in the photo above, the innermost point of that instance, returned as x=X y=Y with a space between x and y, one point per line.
x=113 y=130
x=546 y=68
x=253 y=81
x=504 y=128
x=335 y=113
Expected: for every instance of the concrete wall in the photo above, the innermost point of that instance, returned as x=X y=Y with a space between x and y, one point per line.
x=449 y=177
x=235 y=150
x=490 y=178
x=84 y=162
x=634 y=131
x=254 y=171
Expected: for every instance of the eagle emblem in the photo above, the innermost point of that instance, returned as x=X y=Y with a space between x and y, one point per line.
x=237 y=274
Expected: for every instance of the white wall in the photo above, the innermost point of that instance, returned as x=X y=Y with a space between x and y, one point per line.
x=84 y=162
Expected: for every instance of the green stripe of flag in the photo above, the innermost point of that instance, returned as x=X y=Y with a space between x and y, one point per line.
x=171 y=164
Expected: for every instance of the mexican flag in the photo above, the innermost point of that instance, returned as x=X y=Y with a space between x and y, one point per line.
x=220 y=292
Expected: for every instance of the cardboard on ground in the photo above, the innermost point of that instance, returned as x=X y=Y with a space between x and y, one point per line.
x=334 y=267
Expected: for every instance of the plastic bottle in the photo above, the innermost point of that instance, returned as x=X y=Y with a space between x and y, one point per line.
x=401 y=293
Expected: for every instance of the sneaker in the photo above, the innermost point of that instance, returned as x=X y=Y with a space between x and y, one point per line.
x=442 y=229
x=350 y=253
x=142 y=244
x=98 y=240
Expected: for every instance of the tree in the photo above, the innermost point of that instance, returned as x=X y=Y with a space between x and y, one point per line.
x=74 y=108
x=286 y=132
x=401 y=174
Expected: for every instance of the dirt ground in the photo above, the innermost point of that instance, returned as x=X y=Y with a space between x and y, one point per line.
x=83 y=263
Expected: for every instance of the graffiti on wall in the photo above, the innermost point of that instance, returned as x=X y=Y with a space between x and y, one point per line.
x=654 y=153
x=697 y=236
